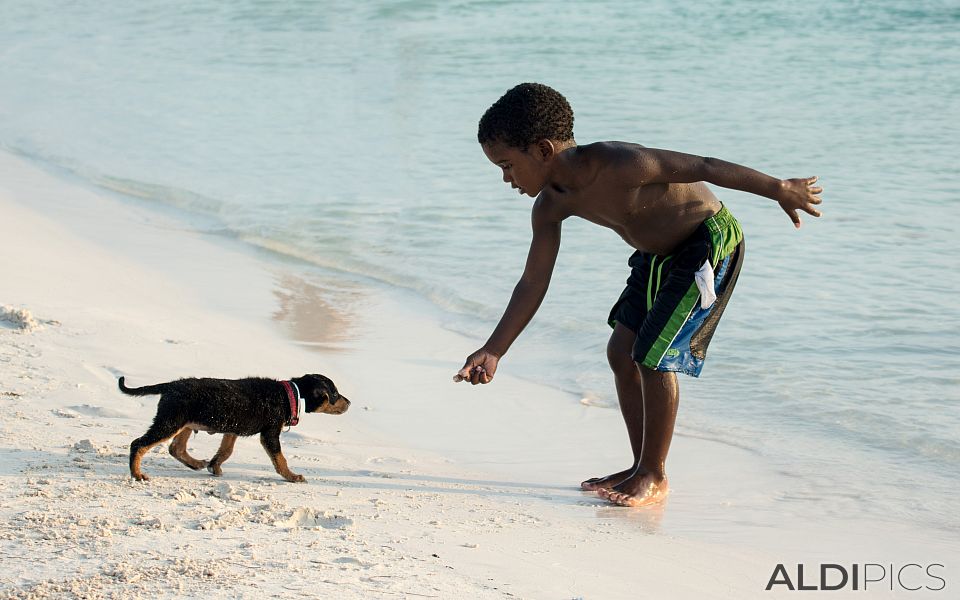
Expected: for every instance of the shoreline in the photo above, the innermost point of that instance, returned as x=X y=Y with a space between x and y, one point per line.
x=419 y=467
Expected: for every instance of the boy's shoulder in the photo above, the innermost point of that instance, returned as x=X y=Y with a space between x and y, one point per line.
x=610 y=150
x=597 y=161
x=597 y=155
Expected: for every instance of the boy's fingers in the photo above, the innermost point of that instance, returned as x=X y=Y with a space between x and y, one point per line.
x=473 y=373
x=812 y=180
x=816 y=190
x=464 y=373
x=812 y=211
x=792 y=213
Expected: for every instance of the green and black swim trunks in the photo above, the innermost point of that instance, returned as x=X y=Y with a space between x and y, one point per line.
x=673 y=303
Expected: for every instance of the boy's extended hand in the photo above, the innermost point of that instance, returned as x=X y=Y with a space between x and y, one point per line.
x=479 y=368
x=799 y=194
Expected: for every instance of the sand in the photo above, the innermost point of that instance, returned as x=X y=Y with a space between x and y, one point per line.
x=424 y=488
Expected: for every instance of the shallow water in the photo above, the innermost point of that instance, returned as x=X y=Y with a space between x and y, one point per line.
x=344 y=135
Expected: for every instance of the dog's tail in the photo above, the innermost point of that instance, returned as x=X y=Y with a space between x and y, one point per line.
x=146 y=390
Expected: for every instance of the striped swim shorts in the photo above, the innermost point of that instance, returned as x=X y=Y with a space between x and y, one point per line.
x=673 y=316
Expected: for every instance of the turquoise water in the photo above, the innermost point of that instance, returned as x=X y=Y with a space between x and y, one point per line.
x=344 y=134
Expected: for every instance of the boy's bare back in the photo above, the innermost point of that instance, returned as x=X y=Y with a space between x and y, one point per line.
x=654 y=199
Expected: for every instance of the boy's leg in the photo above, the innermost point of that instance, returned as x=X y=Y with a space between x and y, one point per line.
x=630 y=394
x=674 y=336
x=670 y=305
x=648 y=483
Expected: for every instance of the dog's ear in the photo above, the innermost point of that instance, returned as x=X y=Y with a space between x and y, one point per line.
x=329 y=385
x=322 y=388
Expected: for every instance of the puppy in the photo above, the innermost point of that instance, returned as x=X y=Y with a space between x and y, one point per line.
x=233 y=407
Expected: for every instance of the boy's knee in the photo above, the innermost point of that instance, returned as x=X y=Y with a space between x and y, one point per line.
x=620 y=351
x=620 y=360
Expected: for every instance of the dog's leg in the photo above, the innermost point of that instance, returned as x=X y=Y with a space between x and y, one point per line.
x=270 y=440
x=223 y=453
x=157 y=434
x=178 y=450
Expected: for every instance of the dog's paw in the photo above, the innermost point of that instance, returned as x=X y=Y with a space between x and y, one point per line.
x=215 y=469
x=141 y=477
x=296 y=478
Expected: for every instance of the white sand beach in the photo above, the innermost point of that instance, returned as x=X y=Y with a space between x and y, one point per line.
x=423 y=489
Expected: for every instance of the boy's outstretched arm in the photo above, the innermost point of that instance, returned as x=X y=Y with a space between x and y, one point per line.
x=664 y=166
x=527 y=296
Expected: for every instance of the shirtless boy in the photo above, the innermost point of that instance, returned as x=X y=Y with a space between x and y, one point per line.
x=689 y=249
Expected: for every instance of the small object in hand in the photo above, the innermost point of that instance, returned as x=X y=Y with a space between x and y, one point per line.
x=458 y=377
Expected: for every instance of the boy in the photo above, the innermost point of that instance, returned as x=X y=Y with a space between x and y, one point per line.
x=689 y=249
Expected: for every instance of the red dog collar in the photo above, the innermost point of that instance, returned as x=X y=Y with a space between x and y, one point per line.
x=294 y=419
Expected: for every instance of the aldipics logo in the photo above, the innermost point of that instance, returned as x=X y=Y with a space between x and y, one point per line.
x=910 y=577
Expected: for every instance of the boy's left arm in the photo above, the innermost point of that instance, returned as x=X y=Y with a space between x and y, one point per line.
x=665 y=166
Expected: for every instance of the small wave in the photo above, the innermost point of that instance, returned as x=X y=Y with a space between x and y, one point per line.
x=155 y=192
x=436 y=295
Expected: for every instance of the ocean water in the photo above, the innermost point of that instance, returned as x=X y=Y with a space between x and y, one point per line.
x=345 y=134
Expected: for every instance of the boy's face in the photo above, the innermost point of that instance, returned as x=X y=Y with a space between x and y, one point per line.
x=525 y=170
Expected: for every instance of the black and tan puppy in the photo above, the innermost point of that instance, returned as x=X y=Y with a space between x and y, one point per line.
x=233 y=407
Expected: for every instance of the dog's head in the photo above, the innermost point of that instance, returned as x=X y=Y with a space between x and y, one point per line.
x=321 y=395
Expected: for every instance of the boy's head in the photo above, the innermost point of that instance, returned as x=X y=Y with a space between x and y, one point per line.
x=526 y=114
x=523 y=131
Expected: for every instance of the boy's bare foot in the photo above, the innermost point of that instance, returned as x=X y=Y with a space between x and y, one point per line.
x=595 y=483
x=640 y=489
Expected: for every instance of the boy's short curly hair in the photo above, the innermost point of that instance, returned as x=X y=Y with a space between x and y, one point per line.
x=526 y=114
